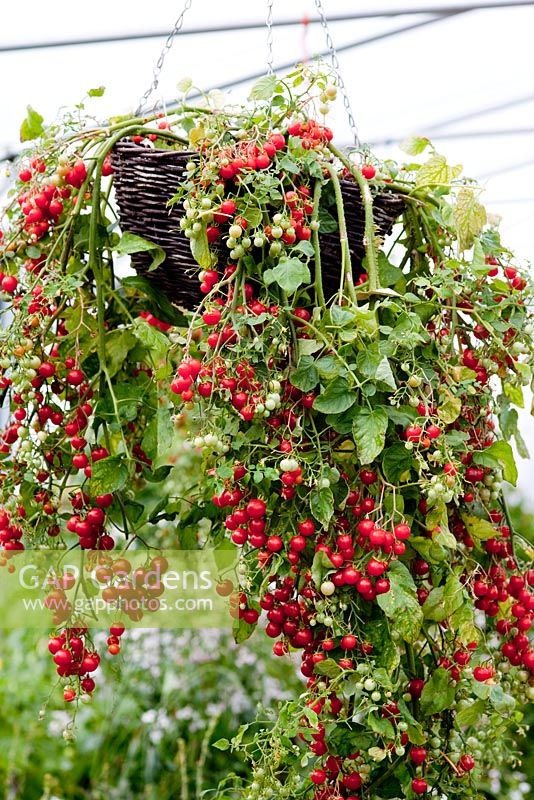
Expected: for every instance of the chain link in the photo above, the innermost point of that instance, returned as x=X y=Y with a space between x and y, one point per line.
x=269 y=22
x=162 y=56
x=335 y=65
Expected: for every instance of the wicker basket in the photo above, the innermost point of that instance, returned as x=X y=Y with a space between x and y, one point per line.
x=146 y=178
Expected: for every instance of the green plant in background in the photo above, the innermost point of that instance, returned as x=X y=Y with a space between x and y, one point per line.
x=148 y=731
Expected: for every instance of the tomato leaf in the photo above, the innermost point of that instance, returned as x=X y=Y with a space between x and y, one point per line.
x=200 y=249
x=400 y=604
x=32 y=126
x=499 y=455
x=444 y=600
x=305 y=377
x=322 y=505
x=109 y=475
x=470 y=715
x=336 y=398
x=131 y=243
x=436 y=172
x=414 y=145
x=469 y=215
x=397 y=463
x=221 y=744
x=329 y=667
x=478 y=528
x=369 y=432
x=289 y=274
x=438 y=693
x=264 y=88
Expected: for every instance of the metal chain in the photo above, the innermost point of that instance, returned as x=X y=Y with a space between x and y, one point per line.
x=335 y=64
x=162 y=56
x=270 y=68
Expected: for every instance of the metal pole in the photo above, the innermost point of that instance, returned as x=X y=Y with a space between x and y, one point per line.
x=296 y=21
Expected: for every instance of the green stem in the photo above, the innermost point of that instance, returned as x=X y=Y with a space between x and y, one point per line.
x=367 y=199
x=346 y=266
x=319 y=293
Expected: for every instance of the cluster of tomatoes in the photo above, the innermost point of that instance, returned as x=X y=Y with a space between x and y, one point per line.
x=75 y=658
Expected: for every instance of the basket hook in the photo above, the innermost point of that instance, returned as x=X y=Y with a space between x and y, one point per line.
x=269 y=23
x=335 y=64
x=161 y=59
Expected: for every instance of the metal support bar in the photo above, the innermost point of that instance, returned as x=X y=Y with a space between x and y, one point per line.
x=297 y=21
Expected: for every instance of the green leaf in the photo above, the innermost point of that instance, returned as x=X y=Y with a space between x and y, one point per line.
x=514 y=394
x=501 y=702
x=381 y=726
x=341 y=316
x=366 y=320
x=134 y=511
x=438 y=693
x=463 y=622
x=415 y=730
x=303 y=247
x=328 y=667
x=499 y=455
x=327 y=222
x=427 y=548
x=449 y=408
x=385 y=651
x=32 y=126
x=388 y=273
x=305 y=377
x=200 y=248
x=414 y=145
x=221 y=744
x=469 y=215
x=400 y=604
x=322 y=505
x=289 y=274
x=288 y=164
x=159 y=303
x=369 y=432
x=131 y=243
x=264 y=88
x=153 y=339
x=336 y=398
x=327 y=367
x=444 y=600
x=242 y=630
x=184 y=85
x=436 y=172
x=470 y=715
x=321 y=565
x=478 y=262
x=402 y=415
x=159 y=436
x=98 y=92
x=109 y=475
x=478 y=528
x=396 y=463
x=384 y=374
x=118 y=345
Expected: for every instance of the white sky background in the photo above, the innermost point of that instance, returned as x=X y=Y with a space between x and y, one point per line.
x=404 y=84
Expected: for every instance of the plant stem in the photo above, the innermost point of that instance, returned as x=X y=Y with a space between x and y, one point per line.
x=319 y=293
x=367 y=199
x=346 y=266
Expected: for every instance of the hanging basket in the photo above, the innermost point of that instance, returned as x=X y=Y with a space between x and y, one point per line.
x=145 y=180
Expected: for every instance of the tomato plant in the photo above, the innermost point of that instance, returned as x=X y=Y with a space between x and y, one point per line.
x=354 y=443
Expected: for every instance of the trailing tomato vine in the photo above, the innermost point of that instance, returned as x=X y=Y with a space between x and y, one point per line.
x=355 y=441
